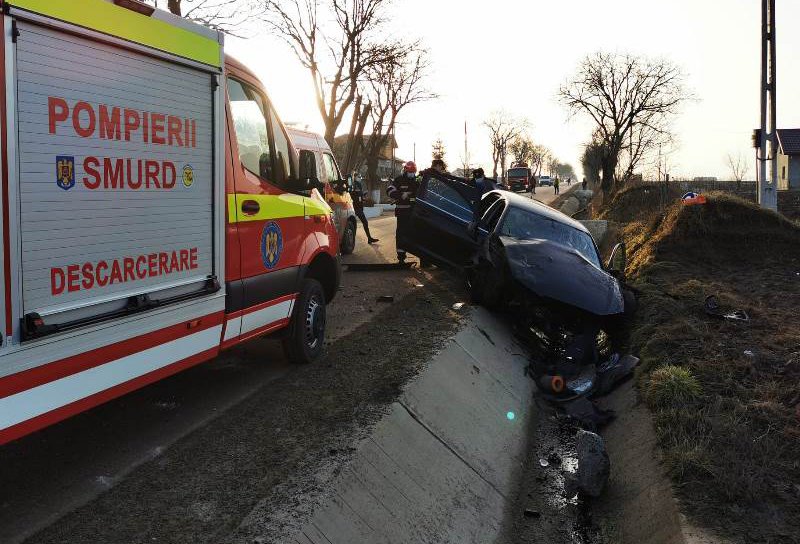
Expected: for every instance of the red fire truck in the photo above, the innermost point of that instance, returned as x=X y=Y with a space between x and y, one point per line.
x=154 y=211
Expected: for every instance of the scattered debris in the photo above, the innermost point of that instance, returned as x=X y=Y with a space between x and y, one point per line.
x=554 y=459
x=531 y=513
x=419 y=285
x=587 y=413
x=748 y=353
x=544 y=463
x=712 y=308
x=378 y=267
x=693 y=199
x=593 y=464
x=385 y=298
x=458 y=305
x=613 y=372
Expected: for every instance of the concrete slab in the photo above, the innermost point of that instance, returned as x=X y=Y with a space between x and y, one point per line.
x=443 y=465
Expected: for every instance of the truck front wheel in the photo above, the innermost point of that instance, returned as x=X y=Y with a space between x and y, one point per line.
x=305 y=337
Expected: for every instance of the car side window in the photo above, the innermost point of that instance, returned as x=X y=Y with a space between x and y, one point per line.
x=250 y=124
x=331 y=171
x=492 y=216
x=448 y=200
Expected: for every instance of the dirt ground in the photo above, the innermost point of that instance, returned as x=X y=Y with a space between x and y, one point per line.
x=729 y=424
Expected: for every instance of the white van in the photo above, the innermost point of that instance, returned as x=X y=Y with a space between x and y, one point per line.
x=336 y=189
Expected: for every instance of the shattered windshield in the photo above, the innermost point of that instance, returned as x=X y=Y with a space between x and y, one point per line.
x=525 y=225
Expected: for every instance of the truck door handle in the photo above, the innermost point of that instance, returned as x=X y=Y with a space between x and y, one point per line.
x=250 y=207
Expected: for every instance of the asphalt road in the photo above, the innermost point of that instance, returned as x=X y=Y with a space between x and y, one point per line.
x=53 y=481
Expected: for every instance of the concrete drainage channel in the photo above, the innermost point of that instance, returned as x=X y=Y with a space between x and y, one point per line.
x=444 y=464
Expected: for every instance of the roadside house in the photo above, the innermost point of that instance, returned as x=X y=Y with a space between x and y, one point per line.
x=788 y=158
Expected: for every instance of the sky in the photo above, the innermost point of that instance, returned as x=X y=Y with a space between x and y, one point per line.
x=513 y=55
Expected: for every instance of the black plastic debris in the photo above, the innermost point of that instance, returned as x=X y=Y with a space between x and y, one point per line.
x=613 y=372
x=385 y=298
x=713 y=309
x=587 y=413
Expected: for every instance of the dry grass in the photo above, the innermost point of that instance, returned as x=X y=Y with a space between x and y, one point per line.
x=728 y=421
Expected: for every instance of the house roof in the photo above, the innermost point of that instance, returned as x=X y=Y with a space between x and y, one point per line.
x=789 y=140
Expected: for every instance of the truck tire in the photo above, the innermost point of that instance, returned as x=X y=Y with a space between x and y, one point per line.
x=305 y=337
x=348 y=238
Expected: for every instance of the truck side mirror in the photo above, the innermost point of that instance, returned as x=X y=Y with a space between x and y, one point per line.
x=308 y=169
x=618 y=261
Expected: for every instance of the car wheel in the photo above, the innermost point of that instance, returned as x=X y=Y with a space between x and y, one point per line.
x=348 y=238
x=305 y=337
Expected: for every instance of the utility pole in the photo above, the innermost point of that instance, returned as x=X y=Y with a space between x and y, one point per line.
x=768 y=145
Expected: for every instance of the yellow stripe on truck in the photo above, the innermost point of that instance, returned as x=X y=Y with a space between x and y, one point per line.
x=274 y=207
x=123 y=23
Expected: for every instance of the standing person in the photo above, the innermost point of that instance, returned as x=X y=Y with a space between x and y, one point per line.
x=556 y=183
x=569 y=181
x=357 y=194
x=533 y=184
x=583 y=185
x=403 y=191
x=483 y=184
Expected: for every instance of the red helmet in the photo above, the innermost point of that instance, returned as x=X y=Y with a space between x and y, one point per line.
x=410 y=166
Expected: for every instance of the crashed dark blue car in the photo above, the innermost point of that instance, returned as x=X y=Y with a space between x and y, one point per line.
x=519 y=254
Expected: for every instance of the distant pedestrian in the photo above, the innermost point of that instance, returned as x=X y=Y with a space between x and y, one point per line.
x=569 y=181
x=556 y=183
x=533 y=184
x=583 y=184
x=483 y=184
x=403 y=191
x=357 y=194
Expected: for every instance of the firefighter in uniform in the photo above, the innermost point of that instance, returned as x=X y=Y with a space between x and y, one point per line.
x=403 y=191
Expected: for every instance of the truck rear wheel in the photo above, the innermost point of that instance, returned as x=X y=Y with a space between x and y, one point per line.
x=348 y=238
x=305 y=337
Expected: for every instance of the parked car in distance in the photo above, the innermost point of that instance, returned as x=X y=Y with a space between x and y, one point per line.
x=519 y=178
x=545 y=181
x=334 y=186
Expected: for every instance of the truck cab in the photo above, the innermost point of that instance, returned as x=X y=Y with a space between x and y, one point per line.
x=154 y=210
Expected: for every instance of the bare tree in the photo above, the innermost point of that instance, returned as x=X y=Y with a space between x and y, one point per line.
x=224 y=15
x=390 y=87
x=592 y=160
x=629 y=98
x=541 y=155
x=337 y=56
x=503 y=129
x=522 y=149
x=738 y=166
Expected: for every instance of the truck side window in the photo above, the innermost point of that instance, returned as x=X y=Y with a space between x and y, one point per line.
x=331 y=171
x=250 y=123
x=283 y=168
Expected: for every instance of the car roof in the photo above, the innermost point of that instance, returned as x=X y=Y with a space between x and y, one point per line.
x=534 y=206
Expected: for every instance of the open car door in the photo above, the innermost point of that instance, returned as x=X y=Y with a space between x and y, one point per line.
x=439 y=220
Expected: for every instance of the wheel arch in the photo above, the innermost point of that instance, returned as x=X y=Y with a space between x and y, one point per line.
x=326 y=270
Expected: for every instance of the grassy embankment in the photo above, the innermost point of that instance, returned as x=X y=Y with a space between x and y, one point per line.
x=725 y=396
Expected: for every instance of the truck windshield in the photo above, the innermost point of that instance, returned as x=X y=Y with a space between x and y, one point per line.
x=525 y=225
x=517 y=172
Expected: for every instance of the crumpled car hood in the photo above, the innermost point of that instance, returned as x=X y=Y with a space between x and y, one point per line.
x=560 y=273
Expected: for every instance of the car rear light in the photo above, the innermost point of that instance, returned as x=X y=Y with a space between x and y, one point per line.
x=137 y=6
